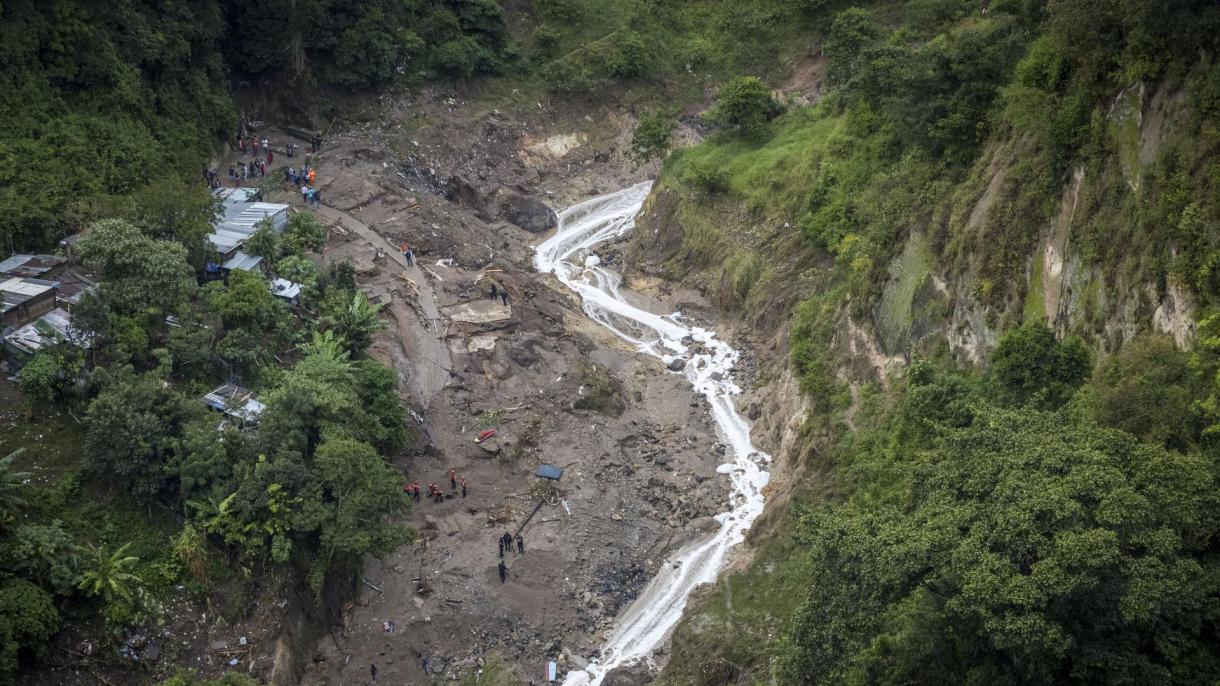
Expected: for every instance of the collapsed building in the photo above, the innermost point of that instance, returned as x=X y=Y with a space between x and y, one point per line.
x=38 y=294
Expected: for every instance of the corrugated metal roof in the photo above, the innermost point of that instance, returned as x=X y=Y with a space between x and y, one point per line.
x=49 y=329
x=27 y=287
x=240 y=215
x=243 y=261
x=235 y=401
x=285 y=288
x=33 y=266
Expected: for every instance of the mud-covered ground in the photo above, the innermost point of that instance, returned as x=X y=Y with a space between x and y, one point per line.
x=639 y=462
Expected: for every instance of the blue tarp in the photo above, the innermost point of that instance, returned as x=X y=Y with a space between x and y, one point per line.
x=549 y=471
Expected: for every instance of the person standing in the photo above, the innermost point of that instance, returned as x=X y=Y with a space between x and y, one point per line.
x=453 y=479
x=500 y=547
x=270 y=156
x=504 y=296
x=493 y=292
x=520 y=544
x=463 y=487
x=373 y=671
x=410 y=256
x=503 y=568
x=313 y=175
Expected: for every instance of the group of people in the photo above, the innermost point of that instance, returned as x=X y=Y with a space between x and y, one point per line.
x=257 y=147
x=500 y=292
x=304 y=180
x=246 y=170
x=435 y=493
x=506 y=543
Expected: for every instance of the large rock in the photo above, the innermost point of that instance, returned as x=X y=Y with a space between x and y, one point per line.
x=705 y=524
x=526 y=211
x=520 y=209
x=628 y=676
x=462 y=192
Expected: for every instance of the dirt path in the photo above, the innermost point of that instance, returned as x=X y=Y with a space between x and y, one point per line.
x=425 y=347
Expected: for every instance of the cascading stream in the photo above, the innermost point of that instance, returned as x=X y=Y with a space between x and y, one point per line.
x=568 y=254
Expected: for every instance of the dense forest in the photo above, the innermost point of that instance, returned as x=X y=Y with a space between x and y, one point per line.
x=1048 y=516
x=1046 y=512
x=108 y=106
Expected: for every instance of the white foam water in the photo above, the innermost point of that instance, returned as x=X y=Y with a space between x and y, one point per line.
x=569 y=255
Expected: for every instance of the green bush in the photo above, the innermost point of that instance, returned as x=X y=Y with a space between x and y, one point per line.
x=707 y=176
x=1030 y=365
x=565 y=11
x=28 y=619
x=599 y=392
x=744 y=105
x=464 y=57
x=568 y=75
x=629 y=58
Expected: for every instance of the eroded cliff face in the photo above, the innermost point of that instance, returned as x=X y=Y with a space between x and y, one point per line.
x=936 y=292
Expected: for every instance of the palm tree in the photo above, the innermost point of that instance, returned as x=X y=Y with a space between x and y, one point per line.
x=326 y=344
x=357 y=323
x=111 y=576
x=10 y=483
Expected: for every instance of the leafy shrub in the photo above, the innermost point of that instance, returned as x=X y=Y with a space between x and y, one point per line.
x=652 y=137
x=40 y=378
x=546 y=39
x=744 y=105
x=706 y=175
x=599 y=392
x=564 y=11
x=568 y=75
x=1030 y=365
x=629 y=58
x=464 y=57
x=28 y=618
x=1148 y=389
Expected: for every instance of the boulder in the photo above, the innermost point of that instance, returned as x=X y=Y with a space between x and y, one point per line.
x=628 y=676
x=464 y=193
x=676 y=365
x=705 y=524
x=526 y=211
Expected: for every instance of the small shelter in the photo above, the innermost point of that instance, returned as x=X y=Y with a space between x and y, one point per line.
x=237 y=402
x=33 y=266
x=23 y=299
x=288 y=290
x=50 y=329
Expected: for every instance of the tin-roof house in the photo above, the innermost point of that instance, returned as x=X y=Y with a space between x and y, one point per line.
x=33 y=266
x=237 y=402
x=24 y=299
x=240 y=214
x=50 y=329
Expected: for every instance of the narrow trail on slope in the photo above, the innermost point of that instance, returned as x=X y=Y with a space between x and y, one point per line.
x=708 y=363
x=430 y=354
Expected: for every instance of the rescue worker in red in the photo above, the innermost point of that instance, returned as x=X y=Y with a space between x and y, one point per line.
x=453 y=479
